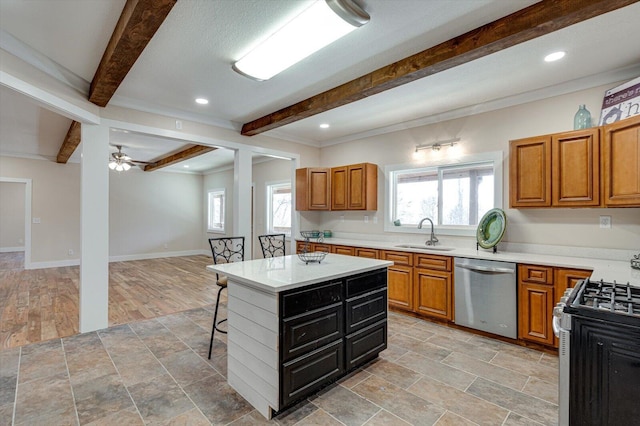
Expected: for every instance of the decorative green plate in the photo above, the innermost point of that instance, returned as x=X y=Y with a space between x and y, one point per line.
x=491 y=228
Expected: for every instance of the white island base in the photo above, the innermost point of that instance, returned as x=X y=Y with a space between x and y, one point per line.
x=293 y=328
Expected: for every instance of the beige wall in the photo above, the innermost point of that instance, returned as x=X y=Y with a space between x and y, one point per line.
x=491 y=132
x=12 y=216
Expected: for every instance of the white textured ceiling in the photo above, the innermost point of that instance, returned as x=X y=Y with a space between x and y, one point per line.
x=191 y=55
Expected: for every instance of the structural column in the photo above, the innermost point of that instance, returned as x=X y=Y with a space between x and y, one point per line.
x=242 y=198
x=94 y=228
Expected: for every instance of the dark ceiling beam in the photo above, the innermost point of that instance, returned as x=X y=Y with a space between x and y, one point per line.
x=186 y=154
x=70 y=143
x=534 y=21
x=139 y=21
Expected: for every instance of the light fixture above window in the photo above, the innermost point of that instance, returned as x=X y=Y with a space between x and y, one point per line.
x=436 y=146
x=322 y=23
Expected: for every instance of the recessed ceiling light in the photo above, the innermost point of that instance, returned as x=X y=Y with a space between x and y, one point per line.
x=202 y=101
x=186 y=166
x=554 y=56
x=324 y=126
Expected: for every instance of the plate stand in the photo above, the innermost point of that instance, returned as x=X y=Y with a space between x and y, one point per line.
x=495 y=248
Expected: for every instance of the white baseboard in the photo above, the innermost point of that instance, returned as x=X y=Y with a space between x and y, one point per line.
x=144 y=256
x=10 y=249
x=123 y=258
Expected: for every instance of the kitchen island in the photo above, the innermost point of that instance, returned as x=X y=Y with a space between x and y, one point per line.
x=295 y=327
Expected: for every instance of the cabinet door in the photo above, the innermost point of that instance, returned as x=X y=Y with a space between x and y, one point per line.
x=433 y=293
x=535 y=308
x=339 y=188
x=576 y=168
x=362 y=186
x=622 y=163
x=400 y=282
x=313 y=189
x=530 y=172
x=568 y=278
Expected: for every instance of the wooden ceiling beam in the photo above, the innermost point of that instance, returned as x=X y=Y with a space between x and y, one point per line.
x=70 y=143
x=183 y=155
x=139 y=21
x=534 y=21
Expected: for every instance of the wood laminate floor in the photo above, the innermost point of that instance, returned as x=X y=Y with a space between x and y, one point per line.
x=42 y=304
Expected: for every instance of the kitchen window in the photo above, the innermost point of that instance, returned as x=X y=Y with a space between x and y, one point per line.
x=216 y=207
x=279 y=208
x=455 y=195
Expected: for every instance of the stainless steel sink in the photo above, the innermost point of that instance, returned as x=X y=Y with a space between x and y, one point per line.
x=427 y=248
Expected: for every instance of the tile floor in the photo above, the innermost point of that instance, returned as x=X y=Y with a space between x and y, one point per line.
x=156 y=372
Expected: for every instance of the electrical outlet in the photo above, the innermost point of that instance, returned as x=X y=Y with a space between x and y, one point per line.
x=605 y=222
x=178 y=125
x=366 y=219
x=166 y=246
x=375 y=219
x=70 y=252
x=20 y=241
x=36 y=220
x=341 y=218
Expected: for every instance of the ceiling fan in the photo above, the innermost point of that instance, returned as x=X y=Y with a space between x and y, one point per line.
x=122 y=162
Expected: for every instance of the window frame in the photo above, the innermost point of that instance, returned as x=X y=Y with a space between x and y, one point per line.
x=269 y=186
x=458 y=230
x=219 y=192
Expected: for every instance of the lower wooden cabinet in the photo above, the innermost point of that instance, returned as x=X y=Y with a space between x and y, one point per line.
x=400 y=279
x=434 y=293
x=539 y=289
x=346 y=250
x=366 y=252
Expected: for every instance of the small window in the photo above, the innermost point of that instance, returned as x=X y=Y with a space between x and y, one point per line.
x=455 y=196
x=279 y=208
x=216 y=207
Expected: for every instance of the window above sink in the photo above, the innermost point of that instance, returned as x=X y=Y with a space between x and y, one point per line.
x=455 y=194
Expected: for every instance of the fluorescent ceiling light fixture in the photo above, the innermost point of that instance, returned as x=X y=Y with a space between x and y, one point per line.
x=554 y=56
x=319 y=25
x=202 y=101
x=324 y=126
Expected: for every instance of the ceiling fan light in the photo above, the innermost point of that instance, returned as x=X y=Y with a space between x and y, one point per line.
x=119 y=168
x=112 y=164
x=126 y=166
x=319 y=25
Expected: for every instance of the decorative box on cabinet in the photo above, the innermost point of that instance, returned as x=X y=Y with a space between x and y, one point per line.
x=313 y=188
x=354 y=187
x=433 y=286
x=621 y=161
x=400 y=277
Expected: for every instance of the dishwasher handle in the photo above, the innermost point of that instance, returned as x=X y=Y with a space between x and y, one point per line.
x=489 y=269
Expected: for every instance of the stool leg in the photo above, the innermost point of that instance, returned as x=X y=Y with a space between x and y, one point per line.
x=215 y=317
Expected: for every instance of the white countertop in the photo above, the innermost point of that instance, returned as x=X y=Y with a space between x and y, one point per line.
x=607 y=270
x=278 y=274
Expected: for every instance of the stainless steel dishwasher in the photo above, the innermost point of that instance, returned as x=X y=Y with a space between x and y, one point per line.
x=486 y=296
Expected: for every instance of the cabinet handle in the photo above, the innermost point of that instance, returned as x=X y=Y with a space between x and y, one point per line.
x=487 y=269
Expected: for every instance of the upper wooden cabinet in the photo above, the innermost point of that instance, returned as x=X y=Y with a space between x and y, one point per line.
x=313 y=188
x=583 y=168
x=559 y=170
x=354 y=187
x=530 y=172
x=621 y=165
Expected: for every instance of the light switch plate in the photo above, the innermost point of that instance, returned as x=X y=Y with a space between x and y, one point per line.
x=605 y=222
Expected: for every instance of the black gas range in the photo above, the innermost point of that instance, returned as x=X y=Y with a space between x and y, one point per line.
x=598 y=324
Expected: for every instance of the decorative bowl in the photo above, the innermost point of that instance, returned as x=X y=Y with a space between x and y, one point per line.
x=312 y=257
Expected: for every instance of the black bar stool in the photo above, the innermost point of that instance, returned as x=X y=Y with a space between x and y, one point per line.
x=224 y=250
x=272 y=245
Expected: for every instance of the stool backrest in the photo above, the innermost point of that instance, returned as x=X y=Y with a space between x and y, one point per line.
x=272 y=245
x=227 y=249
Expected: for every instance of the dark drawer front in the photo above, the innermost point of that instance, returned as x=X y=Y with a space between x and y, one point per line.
x=307 y=299
x=366 y=282
x=306 y=332
x=365 y=344
x=303 y=376
x=366 y=309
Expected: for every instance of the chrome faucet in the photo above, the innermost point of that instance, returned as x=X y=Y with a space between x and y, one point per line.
x=432 y=240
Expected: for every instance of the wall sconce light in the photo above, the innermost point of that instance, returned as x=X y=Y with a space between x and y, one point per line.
x=437 y=145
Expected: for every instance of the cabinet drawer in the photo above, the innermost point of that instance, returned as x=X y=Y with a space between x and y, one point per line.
x=306 y=332
x=429 y=261
x=535 y=274
x=366 y=344
x=398 y=257
x=304 y=375
x=346 y=250
x=366 y=309
x=368 y=253
x=366 y=282
x=297 y=302
x=322 y=247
